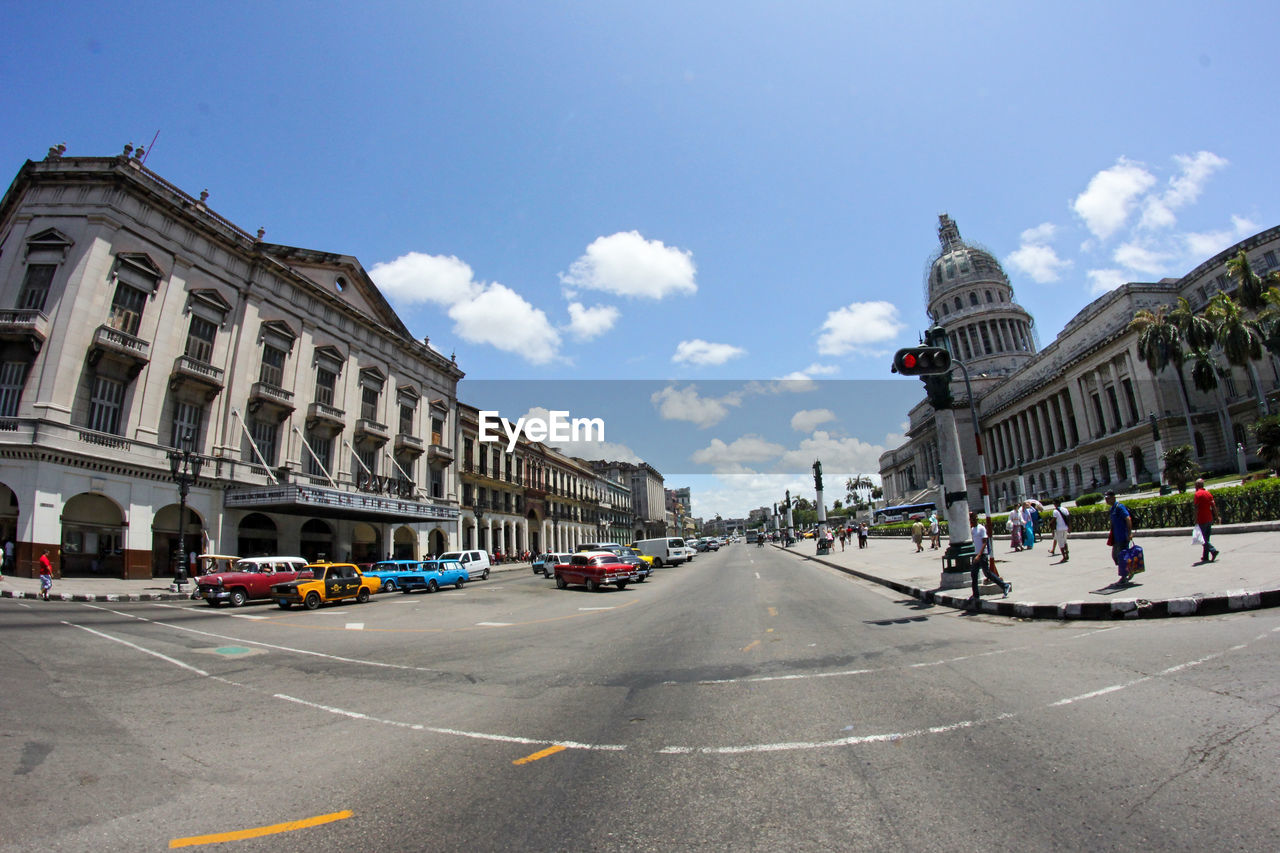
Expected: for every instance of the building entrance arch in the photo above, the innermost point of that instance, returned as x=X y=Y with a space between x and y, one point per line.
x=9 y=524
x=92 y=537
x=164 y=540
x=257 y=535
x=404 y=544
x=535 y=529
x=316 y=541
x=366 y=543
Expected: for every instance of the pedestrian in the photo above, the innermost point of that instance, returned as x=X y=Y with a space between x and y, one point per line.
x=917 y=535
x=1016 y=526
x=982 y=560
x=1031 y=516
x=1206 y=516
x=935 y=532
x=8 y=556
x=46 y=575
x=1121 y=529
x=1061 y=527
x=862 y=535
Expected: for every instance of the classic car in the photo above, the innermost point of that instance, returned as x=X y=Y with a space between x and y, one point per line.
x=545 y=564
x=594 y=570
x=329 y=582
x=245 y=579
x=645 y=558
x=433 y=574
x=392 y=572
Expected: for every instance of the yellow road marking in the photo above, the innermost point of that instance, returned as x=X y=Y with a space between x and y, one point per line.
x=768 y=630
x=551 y=750
x=773 y=611
x=751 y=645
x=241 y=834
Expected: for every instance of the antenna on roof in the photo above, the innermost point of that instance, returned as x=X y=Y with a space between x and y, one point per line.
x=149 y=147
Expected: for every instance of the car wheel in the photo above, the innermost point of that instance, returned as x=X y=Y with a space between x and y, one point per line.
x=484 y=576
x=389 y=585
x=363 y=595
x=641 y=580
x=657 y=562
x=561 y=583
x=432 y=586
x=312 y=601
x=238 y=597
x=213 y=602
x=405 y=590
x=284 y=605
x=592 y=586
x=548 y=574
x=622 y=585
x=458 y=584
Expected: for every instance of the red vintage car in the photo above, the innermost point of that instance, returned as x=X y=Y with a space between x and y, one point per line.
x=249 y=578
x=595 y=569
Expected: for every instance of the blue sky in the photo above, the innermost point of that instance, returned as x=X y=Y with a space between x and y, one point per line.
x=691 y=192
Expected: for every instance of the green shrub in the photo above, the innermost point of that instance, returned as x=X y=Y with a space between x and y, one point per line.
x=1259 y=501
x=1088 y=498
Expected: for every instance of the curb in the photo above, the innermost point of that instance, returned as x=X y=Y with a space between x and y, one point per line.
x=1134 y=608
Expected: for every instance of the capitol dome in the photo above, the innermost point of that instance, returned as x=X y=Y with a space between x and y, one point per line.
x=969 y=295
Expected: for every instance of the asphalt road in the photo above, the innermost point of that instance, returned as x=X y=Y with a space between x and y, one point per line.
x=749 y=701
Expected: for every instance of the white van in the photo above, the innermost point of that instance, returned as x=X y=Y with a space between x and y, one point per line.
x=668 y=551
x=475 y=562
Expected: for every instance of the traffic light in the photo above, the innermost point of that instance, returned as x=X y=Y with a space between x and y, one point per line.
x=922 y=361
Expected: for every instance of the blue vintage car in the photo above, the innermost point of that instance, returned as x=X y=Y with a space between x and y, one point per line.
x=433 y=574
x=393 y=572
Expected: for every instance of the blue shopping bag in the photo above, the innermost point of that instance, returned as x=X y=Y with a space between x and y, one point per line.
x=1132 y=561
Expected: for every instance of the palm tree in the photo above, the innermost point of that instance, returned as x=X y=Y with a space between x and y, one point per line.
x=1267 y=431
x=1160 y=346
x=1180 y=466
x=1199 y=336
x=1240 y=338
x=1251 y=287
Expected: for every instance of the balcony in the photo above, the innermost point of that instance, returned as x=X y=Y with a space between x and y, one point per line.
x=325 y=417
x=187 y=369
x=121 y=347
x=265 y=394
x=372 y=431
x=439 y=456
x=26 y=325
x=409 y=444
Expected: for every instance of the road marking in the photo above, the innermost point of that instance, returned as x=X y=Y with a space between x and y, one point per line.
x=136 y=647
x=751 y=645
x=495 y=624
x=355 y=626
x=248 y=616
x=274 y=829
x=595 y=608
x=773 y=611
x=529 y=759
x=757 y=576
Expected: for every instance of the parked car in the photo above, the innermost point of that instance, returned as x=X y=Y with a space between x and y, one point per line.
x=433 y=574
x=594 y=570
x=628 y=556
x=545 y=564
x=245 y=579
x=329 y=582
x=644 y=558
x=390 y=572
x=667 y=551
x=475 y=562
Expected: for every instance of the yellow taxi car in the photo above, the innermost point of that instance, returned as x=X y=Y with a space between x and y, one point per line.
x=329 y=582
x=635 y=552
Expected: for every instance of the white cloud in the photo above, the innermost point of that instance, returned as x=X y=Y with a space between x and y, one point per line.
x=809 y=419
x=482 y=313
x=1142 y=259
x=626 y=264
x=1040 y=235
x=731 y=458
x=1111 y=196
x=1041 y=263
x=589 y=450
x=502 y=318
x=1209 y=243
x=587 y=323
x=1100 y=281
x=684 y=404
x=804 y=375
x=837 y=455
x=700 y=352
x=1184 y=188
x=859 y=326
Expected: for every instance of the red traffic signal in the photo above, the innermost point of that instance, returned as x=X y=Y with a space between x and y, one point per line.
x=922 y=361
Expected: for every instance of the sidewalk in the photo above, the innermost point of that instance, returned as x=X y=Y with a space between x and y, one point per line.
x=147 y=589
x=1246 y=574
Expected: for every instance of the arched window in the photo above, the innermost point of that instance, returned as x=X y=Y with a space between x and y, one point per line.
x=1199 y=444
x=989 y=299
x=973 y=298
x=959 y=304
x=1105 y=467
x=1120 y=469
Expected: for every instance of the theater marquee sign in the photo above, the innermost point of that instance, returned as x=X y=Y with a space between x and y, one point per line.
x=335 y=503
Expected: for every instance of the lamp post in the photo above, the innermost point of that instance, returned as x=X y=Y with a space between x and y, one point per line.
x=479 y=511
x=1155 y=434
x=184 y=465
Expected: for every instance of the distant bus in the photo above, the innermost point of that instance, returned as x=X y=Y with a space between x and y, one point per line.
x=904 y=512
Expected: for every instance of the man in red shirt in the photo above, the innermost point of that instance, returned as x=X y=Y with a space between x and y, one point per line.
x=46 y=575
x=1206 y=515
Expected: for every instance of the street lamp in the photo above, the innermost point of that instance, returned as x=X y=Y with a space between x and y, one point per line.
x=184 y=465
x=479 y=511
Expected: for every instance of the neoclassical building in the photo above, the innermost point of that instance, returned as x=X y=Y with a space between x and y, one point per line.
x=138 y=321
x=1083 y=412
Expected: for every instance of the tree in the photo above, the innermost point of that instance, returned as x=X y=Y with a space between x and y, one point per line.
x=1251 y=287
x=1267 y=432
x=1198 y=334
x=1239 y=336
x=1160 y=346
x=856 y=486
x=1180 y=466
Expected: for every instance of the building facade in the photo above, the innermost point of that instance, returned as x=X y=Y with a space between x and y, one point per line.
x=140 y=322
x=1083 y=413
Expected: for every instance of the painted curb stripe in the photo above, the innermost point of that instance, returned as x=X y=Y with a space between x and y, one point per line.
x=274 y=829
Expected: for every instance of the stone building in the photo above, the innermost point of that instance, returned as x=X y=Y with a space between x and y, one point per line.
x=140 y=322
x=1082 y=413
